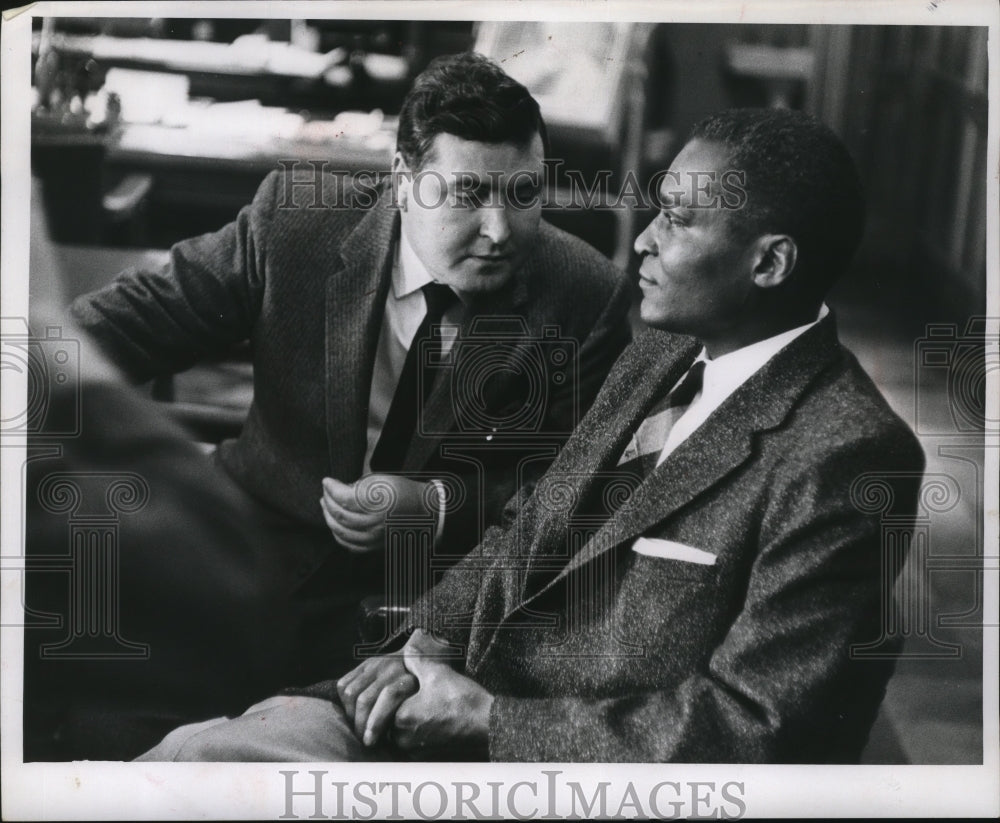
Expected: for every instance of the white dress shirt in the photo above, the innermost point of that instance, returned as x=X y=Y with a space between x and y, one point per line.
x=405 y=308
x=723 y=376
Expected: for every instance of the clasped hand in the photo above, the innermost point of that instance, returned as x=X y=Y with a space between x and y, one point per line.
x=419 y=696
x=356 y=512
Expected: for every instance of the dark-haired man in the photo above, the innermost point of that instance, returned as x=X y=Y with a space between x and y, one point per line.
x=697 y=574
x=360 y=410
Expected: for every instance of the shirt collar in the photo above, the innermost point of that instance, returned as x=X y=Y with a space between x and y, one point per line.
x=725 y=374
x=408 y=273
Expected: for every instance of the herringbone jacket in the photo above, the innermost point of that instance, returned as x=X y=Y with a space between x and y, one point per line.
x=775 y=650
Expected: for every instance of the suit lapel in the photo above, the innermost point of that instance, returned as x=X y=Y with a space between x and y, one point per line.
x=719 y=446
x=650 y=366
x=355 y=298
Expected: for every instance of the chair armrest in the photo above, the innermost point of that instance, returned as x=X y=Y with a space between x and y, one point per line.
x=208 y=424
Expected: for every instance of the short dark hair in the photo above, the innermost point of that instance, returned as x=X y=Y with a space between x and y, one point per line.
x=471 y=97
x=800 y=181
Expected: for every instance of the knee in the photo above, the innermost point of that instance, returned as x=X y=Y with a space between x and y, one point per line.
x=214 y=744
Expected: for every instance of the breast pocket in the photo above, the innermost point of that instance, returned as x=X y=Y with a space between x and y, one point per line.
x=668 y=568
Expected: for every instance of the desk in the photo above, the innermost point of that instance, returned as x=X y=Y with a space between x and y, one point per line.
x=215 y=175
x=201 y=181
x=253 y=67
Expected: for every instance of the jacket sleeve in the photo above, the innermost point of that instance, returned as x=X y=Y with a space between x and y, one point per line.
x=781 y=684
x=201 y=303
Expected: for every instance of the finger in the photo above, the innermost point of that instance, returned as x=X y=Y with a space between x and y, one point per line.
x=352 y=538
x=352 y=519
x=387 y=673
x=384 y=709
x=344 y=692
x=417 y=663
x=348 y=688
x=342 y=493
x=353 y=684
x=405 y=729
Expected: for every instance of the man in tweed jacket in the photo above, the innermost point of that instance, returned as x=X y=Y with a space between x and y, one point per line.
x=330 y=300
x=714 y=606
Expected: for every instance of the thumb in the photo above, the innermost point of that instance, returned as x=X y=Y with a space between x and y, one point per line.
x=418 y=663
x=340 y=493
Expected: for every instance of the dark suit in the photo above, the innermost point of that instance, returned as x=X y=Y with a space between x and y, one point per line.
x=598 y=653
x=307 y=286
x=160 y=630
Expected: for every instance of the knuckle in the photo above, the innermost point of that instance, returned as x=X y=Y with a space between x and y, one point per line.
x=404 y=684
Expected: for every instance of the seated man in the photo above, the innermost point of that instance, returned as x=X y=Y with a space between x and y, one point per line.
x=130 y=628
x=339 y=292
x=689 y=578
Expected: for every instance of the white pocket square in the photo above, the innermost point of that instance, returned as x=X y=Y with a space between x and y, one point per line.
x=668 y=549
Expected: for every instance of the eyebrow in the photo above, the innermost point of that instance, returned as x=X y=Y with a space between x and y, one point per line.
x=669 y=199
x=683 y=212
x=530 y=180
x=525 y=182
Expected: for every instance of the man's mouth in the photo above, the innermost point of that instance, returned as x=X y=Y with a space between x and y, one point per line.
x=649 y=281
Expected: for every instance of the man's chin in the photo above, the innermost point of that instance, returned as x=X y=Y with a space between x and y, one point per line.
x=475 y=283
x=653 y=318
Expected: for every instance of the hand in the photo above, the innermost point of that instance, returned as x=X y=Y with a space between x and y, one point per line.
x=448 y=708
x=371 y=693
x=356 y=512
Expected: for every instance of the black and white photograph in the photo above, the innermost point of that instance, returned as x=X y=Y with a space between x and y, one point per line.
x=554 y=410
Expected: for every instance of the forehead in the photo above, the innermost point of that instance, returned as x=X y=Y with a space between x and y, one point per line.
x=699 y=164
x=451 y=154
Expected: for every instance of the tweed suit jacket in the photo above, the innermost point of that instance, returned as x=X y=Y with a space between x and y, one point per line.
x=597 y=653
x=307 y=284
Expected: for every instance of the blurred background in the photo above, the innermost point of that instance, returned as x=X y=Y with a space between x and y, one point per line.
x=146 y=131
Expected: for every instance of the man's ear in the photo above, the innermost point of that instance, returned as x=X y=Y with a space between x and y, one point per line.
x=402 y=180
x=775 y=260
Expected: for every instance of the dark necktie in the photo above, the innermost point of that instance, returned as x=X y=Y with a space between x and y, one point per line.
x=412 y=391
x=647 y=442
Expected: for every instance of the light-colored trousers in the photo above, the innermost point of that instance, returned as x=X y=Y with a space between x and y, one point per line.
x=280 y=729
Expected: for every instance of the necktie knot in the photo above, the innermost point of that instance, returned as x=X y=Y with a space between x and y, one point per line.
x=690 y=385
x=438 y=297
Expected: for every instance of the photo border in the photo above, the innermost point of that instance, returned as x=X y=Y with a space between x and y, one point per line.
x=143 y=791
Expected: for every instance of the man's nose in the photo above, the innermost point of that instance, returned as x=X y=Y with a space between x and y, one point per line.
x=495 y=224
x=645 y=243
